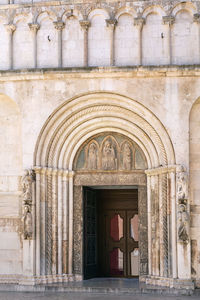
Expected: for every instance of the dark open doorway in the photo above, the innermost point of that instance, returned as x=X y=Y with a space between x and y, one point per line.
x=111 y=232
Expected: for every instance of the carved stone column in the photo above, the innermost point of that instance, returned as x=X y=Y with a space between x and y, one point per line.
x=54 y=222
x=60 y=221
x=43 y=220
x=196 y=19
x=11 y=29
x=49 y=222
x=59 y=25
x=71 y=215
x=139 y=22
x=169 y=21
x=173 y=223
x=37 y=219
x=34 y=28
x=111 y=25
x=65 y=219
x=85 y=25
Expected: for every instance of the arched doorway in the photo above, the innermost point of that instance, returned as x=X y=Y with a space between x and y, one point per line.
x=58 y=209
x=109 y=172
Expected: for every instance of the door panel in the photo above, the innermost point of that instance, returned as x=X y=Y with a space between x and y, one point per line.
x=90 y=233
x=118 y=233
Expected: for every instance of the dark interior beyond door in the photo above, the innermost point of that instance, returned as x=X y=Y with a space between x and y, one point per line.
x=110 y=233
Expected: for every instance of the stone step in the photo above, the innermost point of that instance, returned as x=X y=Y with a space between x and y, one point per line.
x=97 y=289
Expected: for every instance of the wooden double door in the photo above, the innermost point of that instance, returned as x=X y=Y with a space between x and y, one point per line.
x=111 y=233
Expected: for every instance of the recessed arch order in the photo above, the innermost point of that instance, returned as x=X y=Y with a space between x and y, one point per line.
x=81 y=117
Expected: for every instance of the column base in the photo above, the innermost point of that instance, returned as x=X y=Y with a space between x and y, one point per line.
x=43 y=279
x=176 y=283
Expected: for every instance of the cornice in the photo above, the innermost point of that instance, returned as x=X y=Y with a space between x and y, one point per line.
x=100 y=72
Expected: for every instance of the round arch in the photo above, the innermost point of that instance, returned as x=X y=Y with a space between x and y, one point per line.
x=67 y=129
x=81 y=117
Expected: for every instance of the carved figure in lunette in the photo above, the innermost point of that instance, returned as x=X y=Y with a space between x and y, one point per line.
x=127 y=157
x=27 y=223
x=92 y=157
x=108 y=156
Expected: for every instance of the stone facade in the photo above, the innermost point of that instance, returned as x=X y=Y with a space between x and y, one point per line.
x=99 y=93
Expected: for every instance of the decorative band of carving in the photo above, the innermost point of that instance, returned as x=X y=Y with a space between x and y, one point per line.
x=114 y=109
x=52 y=171
x=161 y=170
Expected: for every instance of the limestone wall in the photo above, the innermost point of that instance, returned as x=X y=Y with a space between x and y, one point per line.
x=112 y=36
x=29 y=98
x=80 y=34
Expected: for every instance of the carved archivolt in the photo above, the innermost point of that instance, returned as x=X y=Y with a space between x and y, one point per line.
x=109 y=152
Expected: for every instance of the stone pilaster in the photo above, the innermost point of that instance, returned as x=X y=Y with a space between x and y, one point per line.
x=196 y=19
x=11 y=29
x=59 y=26
x=34 y=27
x=138 y=23
x=169 y=21
x=85 y=26
x=111 y=23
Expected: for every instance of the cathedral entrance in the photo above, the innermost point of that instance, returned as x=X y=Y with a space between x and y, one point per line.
x=111 y=232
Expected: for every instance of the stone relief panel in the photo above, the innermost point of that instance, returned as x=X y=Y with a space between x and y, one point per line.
x=110 y=152
x=27 y=219
x=182 y=214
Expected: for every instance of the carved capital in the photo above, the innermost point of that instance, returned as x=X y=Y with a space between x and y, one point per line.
x=10 y=28
x=59 y=25
x=139 y=21
x=85 y=24
x=34 y=27
x=196 y=18
x=111 y=23
x=71 y=174
x=168 y=20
